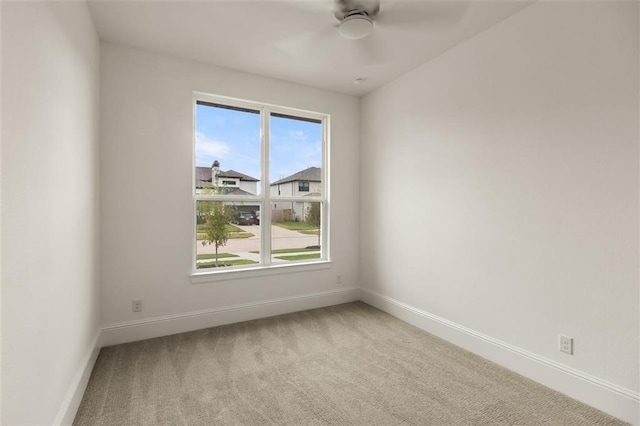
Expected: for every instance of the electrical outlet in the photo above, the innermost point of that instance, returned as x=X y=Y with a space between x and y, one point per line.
x=338 y=279
x=566 y=344
x=136 y=306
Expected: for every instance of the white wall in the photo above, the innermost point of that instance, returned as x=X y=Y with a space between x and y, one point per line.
x=286 y=189
x=50 y=303
x=525 y=223
x=146 y=216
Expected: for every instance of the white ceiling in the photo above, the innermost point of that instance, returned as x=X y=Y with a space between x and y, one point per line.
x=297 y=40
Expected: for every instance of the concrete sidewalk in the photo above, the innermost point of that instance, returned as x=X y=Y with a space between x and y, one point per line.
x=281 y=238
x=256 y=256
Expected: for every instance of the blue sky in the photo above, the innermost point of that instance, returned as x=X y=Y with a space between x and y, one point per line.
x=233 y=138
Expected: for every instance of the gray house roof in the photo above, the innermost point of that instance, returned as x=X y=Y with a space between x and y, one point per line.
x=234 y=174
x=311 y=174
x=224 y=190
x=235 y=191
x=204 y=176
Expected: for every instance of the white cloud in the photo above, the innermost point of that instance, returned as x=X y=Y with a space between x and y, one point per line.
x=299 y=135
x=208 y=150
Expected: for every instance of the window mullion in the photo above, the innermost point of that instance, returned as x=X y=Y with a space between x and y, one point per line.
x=265 y=220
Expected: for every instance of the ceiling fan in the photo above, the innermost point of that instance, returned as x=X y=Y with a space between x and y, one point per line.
x=365 y=27
x=356 y=17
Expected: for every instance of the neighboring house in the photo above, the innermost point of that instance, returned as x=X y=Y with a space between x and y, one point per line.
x=230 y=182
x=307 y=182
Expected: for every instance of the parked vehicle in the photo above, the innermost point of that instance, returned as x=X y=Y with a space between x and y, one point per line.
x=244 y=218
x=256 y=217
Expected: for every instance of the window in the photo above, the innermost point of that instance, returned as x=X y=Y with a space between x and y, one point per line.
x=249 y=159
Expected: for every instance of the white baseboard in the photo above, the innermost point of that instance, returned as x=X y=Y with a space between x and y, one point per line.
x=73 y=397
x=608 y=397
x=171 y=324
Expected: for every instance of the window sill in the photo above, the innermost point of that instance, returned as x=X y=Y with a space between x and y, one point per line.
x=257 y=271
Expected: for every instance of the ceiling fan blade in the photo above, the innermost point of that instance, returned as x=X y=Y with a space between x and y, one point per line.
x=322 y=7
x=434 y=14
x=304 y=43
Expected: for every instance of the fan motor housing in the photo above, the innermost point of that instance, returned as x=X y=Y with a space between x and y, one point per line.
x=347 y=8
x=356 y=26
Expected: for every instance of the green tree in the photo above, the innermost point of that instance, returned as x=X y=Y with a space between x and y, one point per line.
x=216 y=217
x=313 y=217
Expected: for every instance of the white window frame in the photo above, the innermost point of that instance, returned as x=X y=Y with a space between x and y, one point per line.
x=265 y=199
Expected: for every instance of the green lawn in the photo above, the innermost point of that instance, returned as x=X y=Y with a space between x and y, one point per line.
x=225 y=262
x=234 y=232
x=300 y=256
x=297 y=226
x=213 y=255
x=289 y=250
x=304 y=227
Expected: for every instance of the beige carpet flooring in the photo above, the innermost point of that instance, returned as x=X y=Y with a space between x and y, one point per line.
x=349 y=364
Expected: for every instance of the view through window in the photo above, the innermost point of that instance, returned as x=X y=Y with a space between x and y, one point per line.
x=260 y=193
